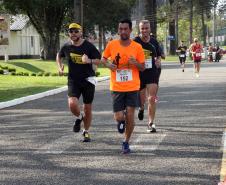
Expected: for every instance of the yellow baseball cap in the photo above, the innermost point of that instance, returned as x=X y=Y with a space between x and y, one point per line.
x=75 y=26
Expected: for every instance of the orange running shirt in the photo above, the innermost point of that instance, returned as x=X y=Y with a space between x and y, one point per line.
x=126 y=77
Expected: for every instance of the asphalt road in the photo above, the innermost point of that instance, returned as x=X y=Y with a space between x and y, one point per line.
x=38 y=147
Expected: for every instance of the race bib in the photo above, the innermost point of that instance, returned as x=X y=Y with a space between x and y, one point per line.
x=123 y=75
x=182 y=55
x=148 y=64
x=198 y=54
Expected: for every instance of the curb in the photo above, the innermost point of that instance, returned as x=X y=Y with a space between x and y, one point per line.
x=39 y=95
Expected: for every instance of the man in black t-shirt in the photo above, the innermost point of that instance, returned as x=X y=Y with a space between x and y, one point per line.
x=80 y=55
x=150 y=76
x=181 y=50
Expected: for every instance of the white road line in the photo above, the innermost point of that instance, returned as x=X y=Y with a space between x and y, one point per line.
x=59 y=145
x=147 y=142
x=223 y=165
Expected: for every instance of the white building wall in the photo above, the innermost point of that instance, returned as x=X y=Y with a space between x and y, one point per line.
x=20 y=42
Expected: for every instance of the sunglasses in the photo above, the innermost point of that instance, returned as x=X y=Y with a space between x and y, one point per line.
x=73 y=31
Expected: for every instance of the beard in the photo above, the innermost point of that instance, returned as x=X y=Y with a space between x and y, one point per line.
x=124 y=37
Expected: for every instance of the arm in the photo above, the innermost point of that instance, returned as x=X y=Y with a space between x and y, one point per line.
x=133 y=61
x=107 y=64
x=60 y=64
x=87 y=60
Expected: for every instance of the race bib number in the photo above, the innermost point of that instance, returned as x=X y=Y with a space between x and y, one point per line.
x=198 y=54
x=123 y=75
x=182 y=55
x=148 y=64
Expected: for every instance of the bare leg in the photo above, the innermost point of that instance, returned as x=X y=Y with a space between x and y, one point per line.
x=73 y=104
x=142 y=98
x=152 y=90
x=88 y=116
x=129 y=123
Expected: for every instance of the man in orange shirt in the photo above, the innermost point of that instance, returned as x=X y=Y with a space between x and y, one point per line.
x=125 y=58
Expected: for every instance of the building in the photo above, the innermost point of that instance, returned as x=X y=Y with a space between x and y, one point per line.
x=24 y=40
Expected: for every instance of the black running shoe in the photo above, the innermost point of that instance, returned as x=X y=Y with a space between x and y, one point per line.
x=121 y=126
x=151 y=128
x=86 y=136
x=77 y=125
x=141 y=114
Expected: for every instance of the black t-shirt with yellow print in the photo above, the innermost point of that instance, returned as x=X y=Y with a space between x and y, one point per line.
x=77 y=70
x=149 y=50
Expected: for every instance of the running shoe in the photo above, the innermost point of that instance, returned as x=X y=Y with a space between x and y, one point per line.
x=140 y=114
x=77 y=125
x=125 y=148
x=197 y=75
x=182 y=70
x=151 y=128
x=86 y=136
x=121 y=126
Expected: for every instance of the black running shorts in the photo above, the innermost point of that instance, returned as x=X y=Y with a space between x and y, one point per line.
x=149 y=76
x=84 y=88
x=121 y=100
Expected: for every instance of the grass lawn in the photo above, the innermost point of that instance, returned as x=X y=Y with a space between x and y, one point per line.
x=18 y=86
x=12 y=87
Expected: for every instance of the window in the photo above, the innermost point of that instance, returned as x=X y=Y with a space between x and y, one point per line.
x=32 y=41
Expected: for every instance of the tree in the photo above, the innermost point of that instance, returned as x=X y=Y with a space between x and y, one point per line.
x=151 y=9
x=46 y=16
x=107 y=20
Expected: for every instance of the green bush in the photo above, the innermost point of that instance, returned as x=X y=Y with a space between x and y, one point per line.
x=12 y=70
x=19 y=74
x=54 y=74
x=13 y=73
x=33 y=74
x=25 y=74
x=40 y=74
x=65 y=74
x=97 y=73
x=5 y=67
x=47 y=74
x=1 y=72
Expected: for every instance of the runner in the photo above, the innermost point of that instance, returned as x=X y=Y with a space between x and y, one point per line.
x=210 y=53
x=149 y=77
x=196 y=50
x=80 y=55
x=124 y=58
x=181 y=50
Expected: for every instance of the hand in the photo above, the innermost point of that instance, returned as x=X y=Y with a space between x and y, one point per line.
x=158 y=62
x=85 y=59
x=61 y=70
x=132 y=60
x=111 y=66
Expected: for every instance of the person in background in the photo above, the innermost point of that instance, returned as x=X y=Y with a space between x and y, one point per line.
x=181 y=50
x=196 y=50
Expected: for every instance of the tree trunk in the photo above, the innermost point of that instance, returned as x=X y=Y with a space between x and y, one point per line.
x=151 y=15
x=172 y=40
x=203 y=28
x=100 y=38
x=176 y=26
x=104 y=39
x=172 y=33
x=191 y=21
x=51 y=46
